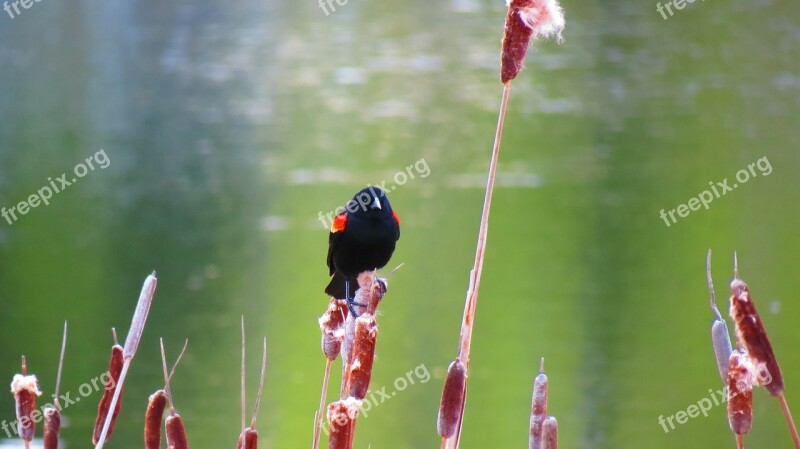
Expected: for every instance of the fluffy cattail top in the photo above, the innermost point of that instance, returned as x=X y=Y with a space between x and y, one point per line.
x=527 y=19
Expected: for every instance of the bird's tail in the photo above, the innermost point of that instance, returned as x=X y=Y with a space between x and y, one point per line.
x=335 y=287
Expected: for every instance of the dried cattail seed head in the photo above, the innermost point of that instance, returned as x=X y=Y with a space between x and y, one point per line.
x=453 y=395
x=366 y=335
x=740 y=393
x=331 y=323
x=752 y=336
x=26 y=389
x=341 y=421
x=52 y=426
x=527 y=19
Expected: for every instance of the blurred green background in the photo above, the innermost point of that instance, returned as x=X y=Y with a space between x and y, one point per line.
x=231 y=125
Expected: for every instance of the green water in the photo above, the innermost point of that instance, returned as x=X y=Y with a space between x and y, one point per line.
x=230 y=126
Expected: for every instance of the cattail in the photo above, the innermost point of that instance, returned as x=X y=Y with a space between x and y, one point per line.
x=740 y=393
x=751 y=335
x=176 y=433
x=152 y=419
x=248 y=439
x=131 y=345
x=720 y=338
x=155 y=410
x=538 y=408
x=52 y=427
x=342 y=416
x=452 y=403
x=25 y=388
x=331 y=324
x=113 y=373
x=550 y=433
x=52 y=415
x=526 y=19
x=360 y=374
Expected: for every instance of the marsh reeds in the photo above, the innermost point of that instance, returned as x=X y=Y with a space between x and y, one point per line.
x=525 y=19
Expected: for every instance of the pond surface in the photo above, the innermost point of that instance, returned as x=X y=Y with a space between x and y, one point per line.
x=230 y=128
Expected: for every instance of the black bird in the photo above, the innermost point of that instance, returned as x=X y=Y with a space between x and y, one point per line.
x=362 y=238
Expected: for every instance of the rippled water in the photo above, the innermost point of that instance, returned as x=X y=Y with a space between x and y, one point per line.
x=231 y=127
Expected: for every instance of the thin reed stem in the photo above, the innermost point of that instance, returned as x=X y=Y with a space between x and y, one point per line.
x=789 y=420
x=60 y=364
x=322 y=399
x=475 y=275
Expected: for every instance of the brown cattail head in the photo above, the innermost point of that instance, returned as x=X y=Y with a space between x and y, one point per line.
x=342 y=416
x=370 y=292
x=550 y=433
x=332 y=326
x=538 y=409
x=360 y=373
x=752 y=336
x=52 y=426
x=113 y=374
x=25 y=389
x=248 y=439
x=453 y=395
x=152 y=419
x=176 y=433
x=740 y=392
x=526 y=19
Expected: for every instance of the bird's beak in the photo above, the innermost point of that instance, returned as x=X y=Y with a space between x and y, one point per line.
x=376 y=204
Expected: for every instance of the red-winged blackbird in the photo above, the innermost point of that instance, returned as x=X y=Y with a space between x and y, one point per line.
x=362 y=238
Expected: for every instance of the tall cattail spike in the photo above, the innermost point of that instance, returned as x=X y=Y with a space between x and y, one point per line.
x=735 y=265
x=541 y=366
x=114 y=335
x=710 y=282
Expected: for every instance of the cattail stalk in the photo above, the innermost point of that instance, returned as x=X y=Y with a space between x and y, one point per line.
x=131 y=345
x=248 y=439
x=52 y=415
x=174 y=429
x=25 y=388
x=525 y=19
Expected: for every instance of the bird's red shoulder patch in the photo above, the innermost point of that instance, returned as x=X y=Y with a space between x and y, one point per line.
x=396 y=217
x=339 y=223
